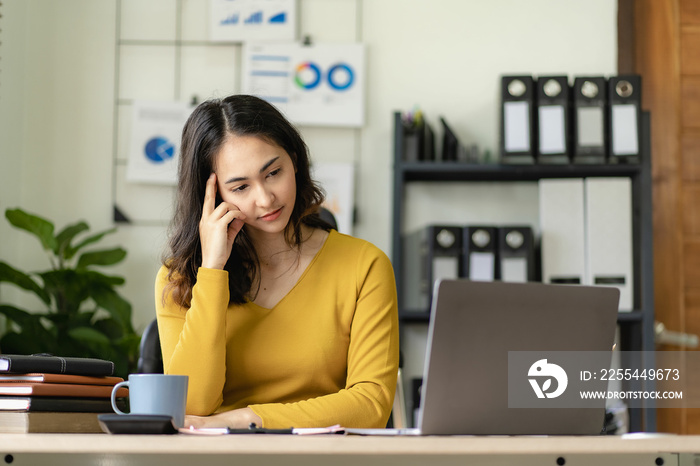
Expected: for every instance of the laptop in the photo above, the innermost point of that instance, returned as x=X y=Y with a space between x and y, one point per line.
x=475 y=327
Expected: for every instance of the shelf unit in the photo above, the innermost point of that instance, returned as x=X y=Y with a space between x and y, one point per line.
x=636 y=327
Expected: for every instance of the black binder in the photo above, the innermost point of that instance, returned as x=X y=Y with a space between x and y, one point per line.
x=625 y=95
x=590 y=120
x=516 y=250
x=553 y=119
x=479 y=260
x=518 y=123
x=429 y=253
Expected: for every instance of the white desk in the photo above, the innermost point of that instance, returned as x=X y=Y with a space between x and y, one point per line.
x=338 y=450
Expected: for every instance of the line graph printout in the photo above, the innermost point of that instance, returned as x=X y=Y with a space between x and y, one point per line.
x=252 y=20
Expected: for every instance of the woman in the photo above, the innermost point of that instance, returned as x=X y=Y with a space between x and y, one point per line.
x=277 y=319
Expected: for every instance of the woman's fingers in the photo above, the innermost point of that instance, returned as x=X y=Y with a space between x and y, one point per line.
x=218 y=228
x=234 y=227
x=210 y=194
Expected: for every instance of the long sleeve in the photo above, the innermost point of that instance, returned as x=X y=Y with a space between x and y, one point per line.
x=326 y=354
x=372 y=356
x=193 y=341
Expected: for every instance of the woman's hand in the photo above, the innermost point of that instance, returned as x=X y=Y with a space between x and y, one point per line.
x=236 y=419
x=218 y=227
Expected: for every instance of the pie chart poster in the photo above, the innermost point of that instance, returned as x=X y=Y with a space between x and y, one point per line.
x=154 y=147
x=317 y=85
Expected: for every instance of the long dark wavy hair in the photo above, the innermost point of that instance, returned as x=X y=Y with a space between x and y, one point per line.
x=202 y=137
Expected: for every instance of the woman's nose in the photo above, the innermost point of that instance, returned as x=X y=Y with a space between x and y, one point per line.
x=265 y=197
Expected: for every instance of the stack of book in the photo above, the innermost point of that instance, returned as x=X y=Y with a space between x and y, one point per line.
x=51 y=394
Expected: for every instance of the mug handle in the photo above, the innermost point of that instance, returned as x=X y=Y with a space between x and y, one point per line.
x=114 y=395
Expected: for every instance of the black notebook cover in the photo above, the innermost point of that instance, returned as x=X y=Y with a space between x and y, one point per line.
x=55 y=365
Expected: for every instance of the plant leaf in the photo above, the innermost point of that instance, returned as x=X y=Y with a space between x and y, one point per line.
x=92 y=276
x=66 y=235
x=103 y=257
x=118 y=307
x=29 y=322
x=70 y=251
x=12 y=275
x=110 y=327
x=89 y=335
x=67 y=287
x=24 y=343
x=38 y=226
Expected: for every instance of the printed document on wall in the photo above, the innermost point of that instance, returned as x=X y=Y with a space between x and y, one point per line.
x=252 y=20
x=338 y=181
x=154 y=146
x=316 y=85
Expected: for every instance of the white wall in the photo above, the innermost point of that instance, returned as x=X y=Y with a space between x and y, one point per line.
x=11 y=118
x=446 y=56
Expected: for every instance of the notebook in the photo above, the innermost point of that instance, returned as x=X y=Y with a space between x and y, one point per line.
x=474 y=326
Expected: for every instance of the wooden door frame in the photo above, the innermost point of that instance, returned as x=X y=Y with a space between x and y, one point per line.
x=648 y=45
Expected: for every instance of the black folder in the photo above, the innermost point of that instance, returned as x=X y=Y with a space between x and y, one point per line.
x=430 y=253
x=590 y=120
x=625 y=96
x=419 y=142
x=516 y=251
x=480 y=253
x=55 y=364
x=553 y=119
x=451 y=147
x=518 y=123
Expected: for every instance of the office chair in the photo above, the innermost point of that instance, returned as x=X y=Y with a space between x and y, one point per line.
x=328 y=216
x=150 y=356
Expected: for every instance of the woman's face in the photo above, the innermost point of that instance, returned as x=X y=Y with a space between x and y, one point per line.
x=259 y=179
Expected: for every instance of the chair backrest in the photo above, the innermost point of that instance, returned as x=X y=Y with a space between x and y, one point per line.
x=328 y=216
x=150 y=356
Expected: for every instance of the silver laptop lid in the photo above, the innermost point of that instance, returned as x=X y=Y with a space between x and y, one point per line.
x=473 y=326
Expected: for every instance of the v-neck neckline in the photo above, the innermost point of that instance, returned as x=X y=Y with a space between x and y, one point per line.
x=301 y=278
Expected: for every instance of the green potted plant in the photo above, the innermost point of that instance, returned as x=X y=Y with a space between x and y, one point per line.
x=83 y=314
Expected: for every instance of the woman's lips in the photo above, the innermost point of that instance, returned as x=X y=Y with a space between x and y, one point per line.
x=272 y=215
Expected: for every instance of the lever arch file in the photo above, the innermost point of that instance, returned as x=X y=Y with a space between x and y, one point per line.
x=430 y=253
x=625 y=118
x=480 y=249
x=562 y=229
x=553 y=119
x=518 y=119
x=590 y=120
x=609 y=235
x=516 y=253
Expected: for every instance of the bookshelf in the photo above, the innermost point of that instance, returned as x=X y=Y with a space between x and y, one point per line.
x=636 y=327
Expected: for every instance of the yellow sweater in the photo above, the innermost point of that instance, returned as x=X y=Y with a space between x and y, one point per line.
x=326 y=354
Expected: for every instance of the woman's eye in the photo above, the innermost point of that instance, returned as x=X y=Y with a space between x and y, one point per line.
x=274 y=172
x=239 y=188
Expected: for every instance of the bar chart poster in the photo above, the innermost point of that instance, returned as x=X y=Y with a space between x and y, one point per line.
x=316 y=85
x=156 y=129
x=252 y=20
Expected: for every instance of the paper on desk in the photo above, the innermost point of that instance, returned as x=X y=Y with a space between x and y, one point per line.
x=336 y=429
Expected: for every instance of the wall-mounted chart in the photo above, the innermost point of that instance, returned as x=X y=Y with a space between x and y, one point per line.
x=320 y=84
x=156 y=129
x=252 y=20
x=338 y=181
